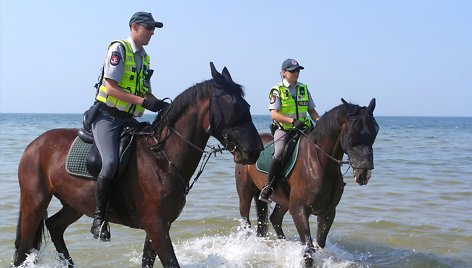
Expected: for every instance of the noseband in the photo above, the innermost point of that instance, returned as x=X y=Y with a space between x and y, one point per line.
x=229 y=145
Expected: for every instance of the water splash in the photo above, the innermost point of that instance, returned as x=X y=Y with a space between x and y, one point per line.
x=41 y=259
x=243 y=248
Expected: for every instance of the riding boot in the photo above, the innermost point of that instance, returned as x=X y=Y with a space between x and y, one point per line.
x=100 y=222
x=268 y=190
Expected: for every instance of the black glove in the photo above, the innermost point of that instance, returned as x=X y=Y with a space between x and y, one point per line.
x=153 y=104
x=298 y=124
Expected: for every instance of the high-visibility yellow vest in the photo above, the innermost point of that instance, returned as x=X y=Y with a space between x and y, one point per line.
x=131 y=82
x=289 y=107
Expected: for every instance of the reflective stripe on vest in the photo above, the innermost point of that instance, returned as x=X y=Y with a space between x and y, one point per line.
x=289 y=106
x=130 y=82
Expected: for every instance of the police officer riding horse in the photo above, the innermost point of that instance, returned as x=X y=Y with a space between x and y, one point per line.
x=123 y=93
x=291 y=107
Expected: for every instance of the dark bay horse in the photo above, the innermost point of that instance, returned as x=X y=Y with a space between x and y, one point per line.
x=315 y=184
x=151 y=192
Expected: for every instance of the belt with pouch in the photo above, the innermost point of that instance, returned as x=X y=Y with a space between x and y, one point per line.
x=114 y=111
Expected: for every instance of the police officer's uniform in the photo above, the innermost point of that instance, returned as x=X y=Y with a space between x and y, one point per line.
x=109 y=122
x=129 y=67
x=280 y=135
x=290 y=101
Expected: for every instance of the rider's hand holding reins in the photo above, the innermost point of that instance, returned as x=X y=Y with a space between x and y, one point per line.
x=153 y=104
x=298 y=124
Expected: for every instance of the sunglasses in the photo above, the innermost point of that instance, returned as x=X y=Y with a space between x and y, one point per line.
x=294 y=71
x=149 y=27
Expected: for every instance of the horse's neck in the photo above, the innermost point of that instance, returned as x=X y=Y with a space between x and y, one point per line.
x=330 y=144
x=185 y=143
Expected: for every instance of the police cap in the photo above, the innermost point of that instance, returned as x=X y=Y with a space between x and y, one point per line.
x=290 y=65
x=144 y=17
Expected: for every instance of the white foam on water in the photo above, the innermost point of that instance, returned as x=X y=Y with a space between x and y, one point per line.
x=240 y=248
x=43 y=259
x=244 y=249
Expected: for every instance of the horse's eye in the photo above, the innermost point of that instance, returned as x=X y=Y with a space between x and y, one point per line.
x=356 y=124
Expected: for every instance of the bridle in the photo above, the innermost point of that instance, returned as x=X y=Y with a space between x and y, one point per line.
x=225 y=141
x=339 y=161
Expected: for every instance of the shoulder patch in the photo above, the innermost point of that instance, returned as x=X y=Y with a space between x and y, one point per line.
x=273 y=98
x=115 y=58
x=274 y=91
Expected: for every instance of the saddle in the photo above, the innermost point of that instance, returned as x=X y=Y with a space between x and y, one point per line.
x=84 y=159
x=289 y=158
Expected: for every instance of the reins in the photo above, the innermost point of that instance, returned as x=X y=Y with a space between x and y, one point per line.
x=206 y=155
x=340 y=162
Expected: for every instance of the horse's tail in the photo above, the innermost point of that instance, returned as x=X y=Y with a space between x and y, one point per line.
x=38 y=237
x=18 y=234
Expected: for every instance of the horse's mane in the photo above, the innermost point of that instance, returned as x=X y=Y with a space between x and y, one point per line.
x=328 y=123
x=189 y=97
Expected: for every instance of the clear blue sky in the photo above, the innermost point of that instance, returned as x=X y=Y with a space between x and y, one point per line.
x=414 y=56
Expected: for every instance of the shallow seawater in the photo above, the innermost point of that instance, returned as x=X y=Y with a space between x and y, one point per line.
x=415 y=211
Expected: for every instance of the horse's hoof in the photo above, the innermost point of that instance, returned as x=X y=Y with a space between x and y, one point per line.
x=308 y=257
x=308 y=260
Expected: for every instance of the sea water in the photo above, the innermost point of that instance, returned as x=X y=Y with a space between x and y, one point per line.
x=415 y=211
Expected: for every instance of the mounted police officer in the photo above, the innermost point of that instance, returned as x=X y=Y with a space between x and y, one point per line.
x=124 y=91
x=290 y=101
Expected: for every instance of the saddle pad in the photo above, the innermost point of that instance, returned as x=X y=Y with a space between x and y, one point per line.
x=76 y=162
x=265 y=158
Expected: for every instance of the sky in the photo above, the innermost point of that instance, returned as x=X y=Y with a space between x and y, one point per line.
x=413 y=56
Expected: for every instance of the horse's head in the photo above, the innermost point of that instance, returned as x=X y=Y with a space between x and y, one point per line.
x=358 y=137
x=231 y=121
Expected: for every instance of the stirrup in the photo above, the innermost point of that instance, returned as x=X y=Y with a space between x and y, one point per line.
x=266 y=192
x=104 y=235
x=102 y=231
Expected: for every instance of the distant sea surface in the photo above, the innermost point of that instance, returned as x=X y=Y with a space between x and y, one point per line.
x=416 y=210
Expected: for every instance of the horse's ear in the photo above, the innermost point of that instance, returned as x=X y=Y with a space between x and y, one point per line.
x=371 y=106
x=351 y=109
x=214 y=72
x=226 y=75
x=217 y=77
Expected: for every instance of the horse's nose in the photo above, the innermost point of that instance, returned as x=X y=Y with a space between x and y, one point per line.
x=361 y=157
x=362 y=176
x=253 y=156
x=246 y=158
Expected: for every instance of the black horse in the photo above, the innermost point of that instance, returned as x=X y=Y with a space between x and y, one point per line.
x=151 y=192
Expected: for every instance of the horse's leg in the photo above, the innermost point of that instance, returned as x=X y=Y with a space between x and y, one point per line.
x=324 y=224
x=30 y=228
x=245 y=188
x=262 y=223
x=158 y=233
x=57 y=224
x=244 y=208
x=300 y=218
x=149 y=255
x=276 y=219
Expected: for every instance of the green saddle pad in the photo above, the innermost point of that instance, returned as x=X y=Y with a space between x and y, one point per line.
x=265 y=158
x=76 y=163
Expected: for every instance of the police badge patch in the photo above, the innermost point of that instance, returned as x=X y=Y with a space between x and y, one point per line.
x=115 y=58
